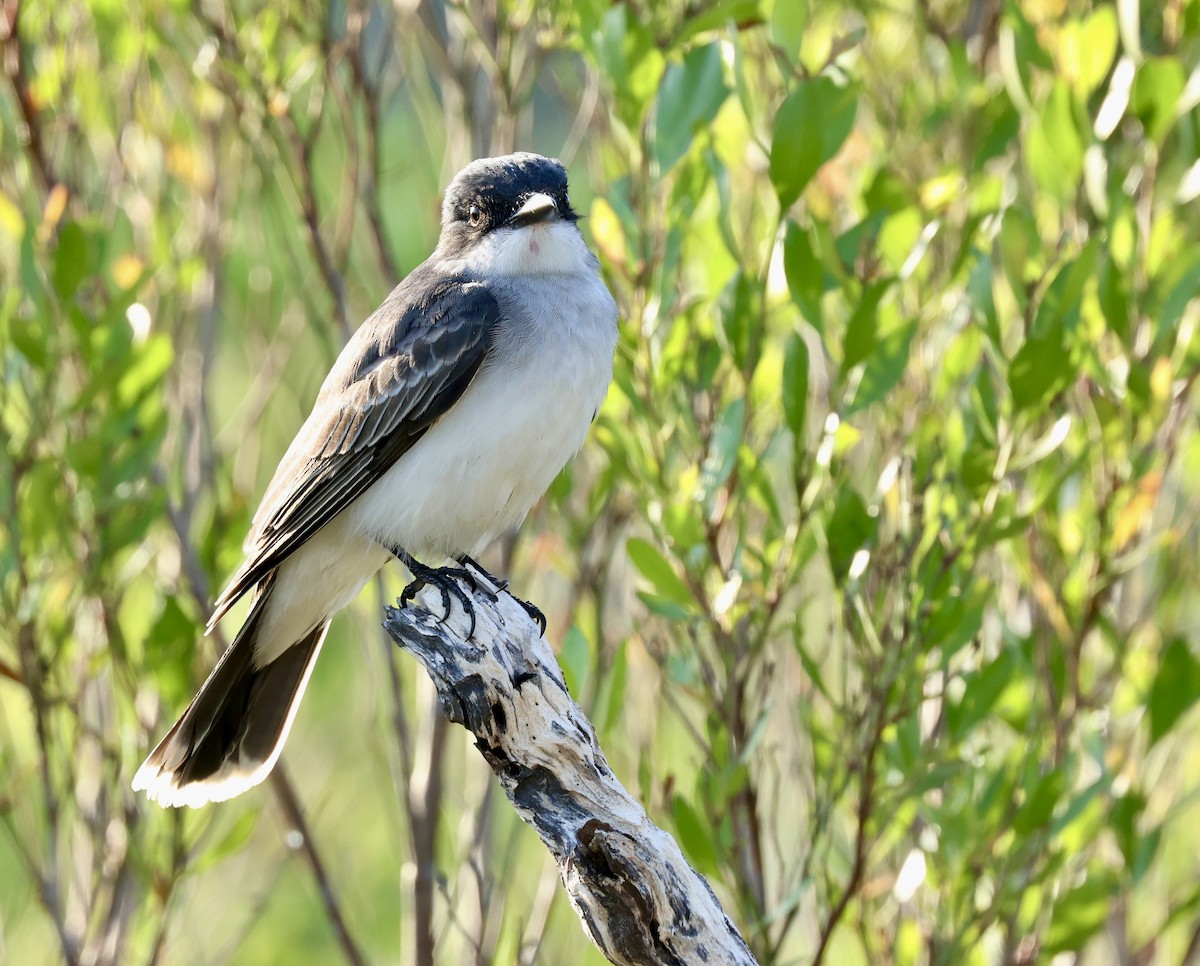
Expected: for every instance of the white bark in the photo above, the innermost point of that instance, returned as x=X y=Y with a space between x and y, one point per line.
x=638 y=899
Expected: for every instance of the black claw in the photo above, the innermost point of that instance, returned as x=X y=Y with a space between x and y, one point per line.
x=468 y=561
x=445 y=579
x=533 y=611
x=502 y=585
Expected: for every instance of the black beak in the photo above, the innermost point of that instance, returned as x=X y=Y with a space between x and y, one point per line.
x=538 y=209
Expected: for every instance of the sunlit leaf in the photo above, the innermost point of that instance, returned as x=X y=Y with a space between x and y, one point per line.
x=862 y=329
x=232 y=841
x=689 y=98
x=885 y=366
x=1040 y=369
x=1176 y=688
x=795 y=385
x=850 y=529
x=72 y=259
x=1156 y=90
x=1081 y=913
x=723 y=449
x=811 y=126
x=575 y=658
x=805 y=274
x=662 y=576
x=1054 y=151
x=1087 y=48
x=1040 y=802
x=694 y=836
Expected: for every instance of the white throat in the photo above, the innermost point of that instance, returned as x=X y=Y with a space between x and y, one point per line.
x=546 y=248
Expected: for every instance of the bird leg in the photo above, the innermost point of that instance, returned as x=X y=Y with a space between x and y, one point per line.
x=443 y=578
x=502 y=585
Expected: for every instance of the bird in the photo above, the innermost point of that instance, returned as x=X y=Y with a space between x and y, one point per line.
x=443 y=420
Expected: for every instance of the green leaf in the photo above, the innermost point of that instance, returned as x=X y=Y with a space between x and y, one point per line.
x=850 y=529
x=1040 y=802
x=979 y=466
x=1179 y=297
x=631 y=60
x=31 y=337
x=741 y=317
x=615 y=702
x=694 y=836
x=1114 y=299
x=954 y=620
x=1087 y=48
x=1081 y=913
x=788 y=20
x=1027 y=53
x=150 y=364
x=1155 y=94
x=862 y=329
x=1020 y=245
x=31 y=269
x=811 y=126
x=72 y=260
x=811 y=668
x=1060 y=304
x=1040 y=370
x=652 y=565
x=885 y=367
x=795 y=385
x=723 y=450
x=983 y=690
x=1053 y=149
x=1176 y=688
x=805 y=274
x=714 y=16
x=888 y=192
x=690 y=96
x=1143 y=855
x=234 y=839
x=1123 y=818
x=576 y=660
x=683 y=524
x=899 y=237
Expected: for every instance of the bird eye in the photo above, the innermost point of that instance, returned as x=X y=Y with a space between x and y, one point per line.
x=474 y=216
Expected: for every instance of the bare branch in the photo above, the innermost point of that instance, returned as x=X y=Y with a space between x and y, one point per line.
x=636 y=896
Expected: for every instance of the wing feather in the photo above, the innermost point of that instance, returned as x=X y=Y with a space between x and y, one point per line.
x=405 y=367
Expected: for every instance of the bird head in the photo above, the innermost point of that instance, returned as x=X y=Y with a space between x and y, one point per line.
x=511 y=215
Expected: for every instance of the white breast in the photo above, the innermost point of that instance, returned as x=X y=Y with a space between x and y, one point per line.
x=478 y=470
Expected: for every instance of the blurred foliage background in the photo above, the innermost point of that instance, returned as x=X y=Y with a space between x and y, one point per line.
x=878 y=574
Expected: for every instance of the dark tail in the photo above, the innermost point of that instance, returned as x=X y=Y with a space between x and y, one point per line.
x=233 y=731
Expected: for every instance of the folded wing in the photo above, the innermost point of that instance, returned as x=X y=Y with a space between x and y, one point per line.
x=404 y=368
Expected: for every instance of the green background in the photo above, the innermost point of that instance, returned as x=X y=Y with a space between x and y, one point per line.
x=878 y=573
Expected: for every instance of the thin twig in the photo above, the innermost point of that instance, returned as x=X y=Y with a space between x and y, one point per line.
x=369 y=90
x=866 y=794
x=14 y=66
x=286 y=796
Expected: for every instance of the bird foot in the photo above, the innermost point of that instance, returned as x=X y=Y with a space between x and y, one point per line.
x=445 y=579
x=501 y=585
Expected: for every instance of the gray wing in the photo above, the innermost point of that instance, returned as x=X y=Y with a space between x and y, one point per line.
x=405 y=367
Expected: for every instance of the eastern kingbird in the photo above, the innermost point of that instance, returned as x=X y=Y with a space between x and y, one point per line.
x=447 y=415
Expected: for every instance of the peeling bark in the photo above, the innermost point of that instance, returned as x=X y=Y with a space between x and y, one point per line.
x=638 y=899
